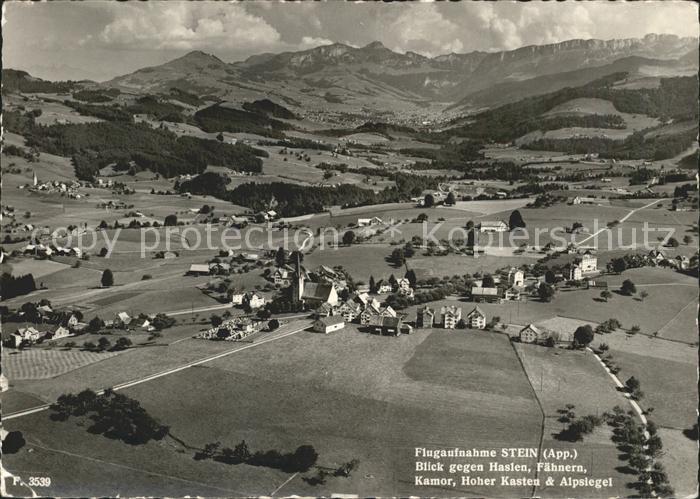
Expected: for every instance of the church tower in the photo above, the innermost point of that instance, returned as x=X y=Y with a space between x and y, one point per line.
x=299 y=279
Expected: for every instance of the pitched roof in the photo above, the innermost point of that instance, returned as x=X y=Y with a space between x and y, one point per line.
x=317 y=291
x=476 y=310
x=331 y=320
x=391 y=322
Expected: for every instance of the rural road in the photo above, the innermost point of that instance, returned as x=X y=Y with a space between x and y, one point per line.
x=632 y=212
x=294 y=327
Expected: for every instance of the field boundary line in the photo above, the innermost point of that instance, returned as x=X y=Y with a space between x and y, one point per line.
x=124 y=466
x=129 y=384
x=544 y=416
x=283 y=484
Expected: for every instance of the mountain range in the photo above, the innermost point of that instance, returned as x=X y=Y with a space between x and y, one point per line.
x=376 y=79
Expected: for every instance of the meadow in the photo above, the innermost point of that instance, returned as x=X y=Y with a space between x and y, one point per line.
x=344 y=393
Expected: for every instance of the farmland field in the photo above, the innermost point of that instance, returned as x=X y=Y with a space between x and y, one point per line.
x=351 y=400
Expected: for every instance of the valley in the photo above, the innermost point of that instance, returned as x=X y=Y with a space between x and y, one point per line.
x=359 y=251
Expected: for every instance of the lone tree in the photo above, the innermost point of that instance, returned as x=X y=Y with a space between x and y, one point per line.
x=583 y=335
x=107 y=278
x=550 y=277
x=450 y=199
x=170 y=220
x=672 y=242
x=605 y=295
x=372 y=284
x=643 y=295
x=628 y=288
x=348 y=238
x=429 y=200
x=516 y=220
x=280 y=257
x=546 y=292
x=215 y=320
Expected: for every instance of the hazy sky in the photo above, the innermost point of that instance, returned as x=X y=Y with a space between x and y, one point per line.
x=102 y=39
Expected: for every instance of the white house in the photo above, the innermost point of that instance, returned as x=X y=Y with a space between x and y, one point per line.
x=28 y=334
x=516 y=277
x=61 y=332
x=281 y=276
x=237 y=298
x=329 y=324
x=588 y=262
x=122 y=320
x=531 y=334
x=476 y=319
x=384 y=287
x=450 y=316
x=253 y=300
x=575 y=272
x=403 y=284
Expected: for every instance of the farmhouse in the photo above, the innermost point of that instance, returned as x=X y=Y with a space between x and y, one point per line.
x=25 y=335
x=281 y=276
x=387 y=311
x=532 y=334
x=657 y=256
x=198 y=269
x=489 y=295
x=368 y=222
x=493 y=226
x=584 y=200
x=426 y=317
x=327 y=325
x=384 y=287
x=682 y=262
x=387 y=326
x=370 y=312
x=574 y=272
x=476 y=319
x=513 y=293
x=516 y=277
x=237 y=298
x=350 y=310
x=403 y=284
x=451 y=315
x=253 y=300
x=60 y=332
x=122 y=320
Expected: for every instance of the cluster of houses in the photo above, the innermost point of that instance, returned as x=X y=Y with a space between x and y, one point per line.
x=47 y=250
x=67 y=324
x=511 y=289
x=233 y=329
x=659 y=257
x=69 y=189
x=26 y=336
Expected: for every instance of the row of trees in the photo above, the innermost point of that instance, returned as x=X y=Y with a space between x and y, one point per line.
x=111 y=414
x=299 y=461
